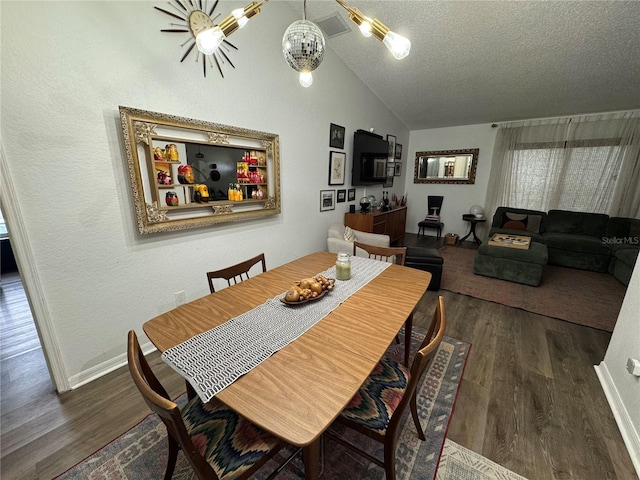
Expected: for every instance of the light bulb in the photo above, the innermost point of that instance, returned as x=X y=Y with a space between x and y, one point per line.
x=365 y=28
x=238 y=13
x=209 y=40
x=306 y=79
x=397 y=44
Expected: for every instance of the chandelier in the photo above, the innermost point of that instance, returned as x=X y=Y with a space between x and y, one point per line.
x=303 y=44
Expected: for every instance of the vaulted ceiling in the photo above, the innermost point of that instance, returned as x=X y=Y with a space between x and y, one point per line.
x=490 y=61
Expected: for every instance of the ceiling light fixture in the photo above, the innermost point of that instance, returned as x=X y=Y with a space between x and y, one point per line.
x=303 y=47
x=303 y=44
x=398 y=45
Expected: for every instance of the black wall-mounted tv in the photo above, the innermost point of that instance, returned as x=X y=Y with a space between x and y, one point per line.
x=370 y=153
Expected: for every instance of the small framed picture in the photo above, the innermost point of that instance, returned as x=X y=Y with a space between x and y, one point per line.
x=388 y=182
x=390 y=170
x=398 y=151
x=336 y=136
x=327 y=200
x=337 y=162
x=351 y=194
x=397 y=169
x=391 y=139
x=342 y=196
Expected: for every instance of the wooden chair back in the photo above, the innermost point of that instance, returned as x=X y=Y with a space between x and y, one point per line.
x=386 y=254
x=236 y=273
x=157 y=398
x=421 y=361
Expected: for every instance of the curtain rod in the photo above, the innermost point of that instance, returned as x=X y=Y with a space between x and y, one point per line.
x=494 y=125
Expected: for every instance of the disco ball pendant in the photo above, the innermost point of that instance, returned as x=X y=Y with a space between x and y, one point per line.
x=303 y=46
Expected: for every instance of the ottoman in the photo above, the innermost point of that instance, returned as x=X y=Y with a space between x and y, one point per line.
x=515 y=265
x=427 y=259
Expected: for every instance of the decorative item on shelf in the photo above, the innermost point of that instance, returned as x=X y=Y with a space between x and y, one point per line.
x=201 y=194
x=259 y=194
x=254 y=193
x=164 y=178
x=171 y=152
x=303 y=44
x=185 y=174
x=402 y=202
x=343 y=266
x=171 y=199
x=477 y=211
x=242 y=172
x=385 y=201
x=159 y=155
x=365 y=203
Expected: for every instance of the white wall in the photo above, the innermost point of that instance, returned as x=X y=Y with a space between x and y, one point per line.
x=66 y=67
x=622 y=388
x=457 y=198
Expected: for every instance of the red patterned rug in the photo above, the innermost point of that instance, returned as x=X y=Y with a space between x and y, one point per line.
x=586 y=298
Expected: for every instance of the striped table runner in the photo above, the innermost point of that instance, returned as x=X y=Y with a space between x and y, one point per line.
x=213 y=360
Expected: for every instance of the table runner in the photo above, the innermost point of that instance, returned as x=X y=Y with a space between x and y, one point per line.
x=213 y=360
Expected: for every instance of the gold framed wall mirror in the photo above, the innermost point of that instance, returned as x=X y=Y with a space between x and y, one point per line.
x=188 y=173
x=446 y=166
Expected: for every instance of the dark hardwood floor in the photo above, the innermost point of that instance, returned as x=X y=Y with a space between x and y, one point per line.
x=529 y=399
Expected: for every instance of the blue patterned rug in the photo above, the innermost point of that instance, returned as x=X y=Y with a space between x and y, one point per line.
x=141 y=453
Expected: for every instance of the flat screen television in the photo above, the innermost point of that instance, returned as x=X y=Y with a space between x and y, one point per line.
x=370 y=153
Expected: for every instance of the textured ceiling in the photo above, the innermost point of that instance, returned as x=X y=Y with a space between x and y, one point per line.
x=490 y=61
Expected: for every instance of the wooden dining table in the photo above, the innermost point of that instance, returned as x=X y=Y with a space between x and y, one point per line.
x=298 y=392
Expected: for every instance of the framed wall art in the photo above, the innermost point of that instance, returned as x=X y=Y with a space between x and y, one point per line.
x=391 y=139
x=397 y=171
x=336 y=136
x=390 y=170
x=337 y=162
x=398 y=154
x=342 y=196
x=351 y=194
x=327 y=200
x=388 y=182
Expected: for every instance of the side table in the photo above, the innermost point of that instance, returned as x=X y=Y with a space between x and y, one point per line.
x=473 y=220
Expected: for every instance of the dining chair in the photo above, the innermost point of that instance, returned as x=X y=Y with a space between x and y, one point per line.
x=218 y=443
x=432 y=219
x=236 y=273
x=377 y=409
x=395 y=255
x=385 y=254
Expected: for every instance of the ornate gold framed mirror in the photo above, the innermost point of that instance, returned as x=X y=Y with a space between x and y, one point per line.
x=446 y=166
x=188 y=173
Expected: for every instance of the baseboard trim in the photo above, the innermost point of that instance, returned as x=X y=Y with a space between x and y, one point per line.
x=627 y=429
x=109 y=366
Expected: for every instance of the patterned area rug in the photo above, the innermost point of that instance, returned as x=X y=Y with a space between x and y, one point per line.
x=141 y=453
x=586 y=298
x=459 y=463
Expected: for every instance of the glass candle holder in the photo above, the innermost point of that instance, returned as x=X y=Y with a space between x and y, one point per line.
x=343 y=266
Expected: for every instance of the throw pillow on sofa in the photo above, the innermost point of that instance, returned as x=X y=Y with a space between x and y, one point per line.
x=521 y=221
x=349 y=235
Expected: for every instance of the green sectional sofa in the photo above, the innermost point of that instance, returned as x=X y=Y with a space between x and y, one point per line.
x=588 y=241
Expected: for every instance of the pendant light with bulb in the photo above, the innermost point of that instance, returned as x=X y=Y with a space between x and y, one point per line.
x=303 y=47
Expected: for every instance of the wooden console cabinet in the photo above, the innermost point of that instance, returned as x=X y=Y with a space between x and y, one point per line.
x=390 y=223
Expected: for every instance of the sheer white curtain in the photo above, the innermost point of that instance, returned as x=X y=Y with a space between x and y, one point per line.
x=587 y=163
